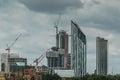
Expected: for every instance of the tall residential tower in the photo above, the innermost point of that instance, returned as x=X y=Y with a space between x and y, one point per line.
x=101 y=56
x=78 y=53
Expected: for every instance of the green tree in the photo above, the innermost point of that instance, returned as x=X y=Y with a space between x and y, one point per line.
x=51 y=77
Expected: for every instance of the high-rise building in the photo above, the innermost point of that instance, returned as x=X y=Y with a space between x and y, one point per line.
x=58 y=57
x=101 y=56
x=62 y=43
x=78 y=50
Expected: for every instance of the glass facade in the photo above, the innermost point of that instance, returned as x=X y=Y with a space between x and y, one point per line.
x=78 y=50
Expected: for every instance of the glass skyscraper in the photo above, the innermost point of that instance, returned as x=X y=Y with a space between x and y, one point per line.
x=101 y=56
x=78 y=50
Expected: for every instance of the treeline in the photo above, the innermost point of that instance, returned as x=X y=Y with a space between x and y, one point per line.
x=86 y=77
x=51 y=77
x=96 y=77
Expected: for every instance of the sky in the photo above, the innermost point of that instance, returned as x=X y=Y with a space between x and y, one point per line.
x=35 y=21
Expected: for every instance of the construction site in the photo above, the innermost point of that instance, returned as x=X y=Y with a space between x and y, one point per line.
x=15 y=67
x=59 y=61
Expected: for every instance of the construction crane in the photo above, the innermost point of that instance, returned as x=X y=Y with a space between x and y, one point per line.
x=8 y=49
x=57 y=23
x=56 y=26
x=38 y=60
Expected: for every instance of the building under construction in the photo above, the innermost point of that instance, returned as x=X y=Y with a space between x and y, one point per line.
x=15 y=62
x=62 y=43
x=58 y=57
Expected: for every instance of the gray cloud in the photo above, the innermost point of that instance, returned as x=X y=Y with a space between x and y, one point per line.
x=3 y=2
x=52 y=6
x=103 y=16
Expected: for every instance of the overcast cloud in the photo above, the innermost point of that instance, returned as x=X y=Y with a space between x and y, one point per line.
x=35 y=20
x=52 y=6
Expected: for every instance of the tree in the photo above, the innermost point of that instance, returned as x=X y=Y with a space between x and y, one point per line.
x=51 y=77
x=32 y=78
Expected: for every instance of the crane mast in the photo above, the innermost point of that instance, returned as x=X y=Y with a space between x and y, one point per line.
x=57 y=23
x=56 y=26
x=8 y=49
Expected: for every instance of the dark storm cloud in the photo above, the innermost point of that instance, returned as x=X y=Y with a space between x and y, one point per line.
x=52 y=6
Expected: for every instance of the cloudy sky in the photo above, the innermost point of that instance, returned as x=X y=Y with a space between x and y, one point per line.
x=35 y=20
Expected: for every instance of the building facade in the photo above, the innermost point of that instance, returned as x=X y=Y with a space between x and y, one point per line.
x=62 y=43
x=55 y=60
x=58 y=57
x=69 y=61
x=4 y=60
x=101 y=56
x=15 y=62
x=78 y=50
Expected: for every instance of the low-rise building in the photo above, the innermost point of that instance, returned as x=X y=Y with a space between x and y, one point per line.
x=16 y=63
x=65 y=73
x=4 y=60
x=55 y=60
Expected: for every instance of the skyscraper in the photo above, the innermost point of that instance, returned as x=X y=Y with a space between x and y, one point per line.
x=62 y=43
x=101 y=56
x=78 y=53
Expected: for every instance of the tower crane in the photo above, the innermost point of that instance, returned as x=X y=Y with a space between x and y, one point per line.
x=56 y=26
x=8 y=49
x=38 y=60
x=57 y=23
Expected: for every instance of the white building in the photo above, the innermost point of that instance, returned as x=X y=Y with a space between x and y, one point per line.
x=65 y=73
x=101 y=56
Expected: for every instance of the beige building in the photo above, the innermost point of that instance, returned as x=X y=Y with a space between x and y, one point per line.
x=101 y=56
